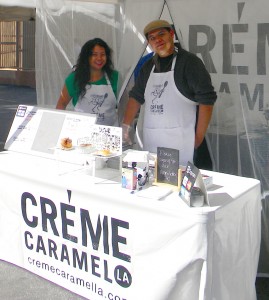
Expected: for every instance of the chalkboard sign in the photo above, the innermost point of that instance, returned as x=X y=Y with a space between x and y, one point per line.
x=167 y=165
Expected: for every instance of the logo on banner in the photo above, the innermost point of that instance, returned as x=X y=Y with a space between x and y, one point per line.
x=236 y=55
x=76 y=245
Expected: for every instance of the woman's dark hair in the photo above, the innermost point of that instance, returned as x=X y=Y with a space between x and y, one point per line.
x=82 y=68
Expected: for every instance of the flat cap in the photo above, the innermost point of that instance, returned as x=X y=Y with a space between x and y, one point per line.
x=157 y=24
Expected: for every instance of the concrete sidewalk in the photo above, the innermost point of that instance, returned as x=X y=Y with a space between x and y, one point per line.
x=10 y=97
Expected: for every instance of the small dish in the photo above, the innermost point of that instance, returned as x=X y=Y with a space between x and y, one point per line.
x=86 y=148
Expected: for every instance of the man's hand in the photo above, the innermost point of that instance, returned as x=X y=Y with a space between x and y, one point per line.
x=204 y=117
x=126 y=140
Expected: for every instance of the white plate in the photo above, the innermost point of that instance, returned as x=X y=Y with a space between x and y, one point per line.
x=99 y=154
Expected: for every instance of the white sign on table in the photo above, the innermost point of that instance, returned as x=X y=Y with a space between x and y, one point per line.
x=39 y=132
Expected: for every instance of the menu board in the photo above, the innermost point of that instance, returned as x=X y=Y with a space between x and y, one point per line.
x=167 y=165
x=39 y=131
x=36 y=129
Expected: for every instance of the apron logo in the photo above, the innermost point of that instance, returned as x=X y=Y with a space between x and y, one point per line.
x=157 y=108
x=97 y=102
x=158 y=91
x=101 y=117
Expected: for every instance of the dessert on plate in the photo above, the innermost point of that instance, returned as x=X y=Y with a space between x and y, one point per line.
x=66 y=143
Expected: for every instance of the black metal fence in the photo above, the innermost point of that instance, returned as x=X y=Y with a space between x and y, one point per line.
x=17 y=45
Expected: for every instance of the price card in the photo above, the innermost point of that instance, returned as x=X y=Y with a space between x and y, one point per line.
x=192 y=176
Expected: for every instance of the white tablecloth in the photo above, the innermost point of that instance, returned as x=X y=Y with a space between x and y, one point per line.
x=94 y=238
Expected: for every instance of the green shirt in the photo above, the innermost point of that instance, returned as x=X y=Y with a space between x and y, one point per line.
x=73 y=89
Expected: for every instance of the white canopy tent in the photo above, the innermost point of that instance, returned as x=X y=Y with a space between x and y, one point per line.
x=19 y=3
x=232 y=41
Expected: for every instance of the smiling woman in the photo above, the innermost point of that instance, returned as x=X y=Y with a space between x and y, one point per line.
x=92 y=86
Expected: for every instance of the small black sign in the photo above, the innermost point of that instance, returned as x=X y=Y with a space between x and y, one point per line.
x=167 y=165
x=189 y=177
